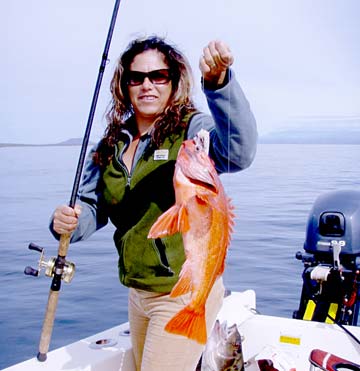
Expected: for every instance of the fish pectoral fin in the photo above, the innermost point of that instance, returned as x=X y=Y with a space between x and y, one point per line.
x=167 y=223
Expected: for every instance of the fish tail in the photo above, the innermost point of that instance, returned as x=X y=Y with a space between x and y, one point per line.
x=189 y=323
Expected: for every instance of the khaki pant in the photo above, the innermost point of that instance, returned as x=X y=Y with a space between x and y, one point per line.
x=154 y=348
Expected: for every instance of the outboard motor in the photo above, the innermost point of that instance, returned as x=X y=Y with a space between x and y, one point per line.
x=331 y=276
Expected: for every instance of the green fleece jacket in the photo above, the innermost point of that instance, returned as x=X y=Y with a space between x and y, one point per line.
x=133 y=204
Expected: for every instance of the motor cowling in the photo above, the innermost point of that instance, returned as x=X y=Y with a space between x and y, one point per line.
x=331 y=276
x=335 y=216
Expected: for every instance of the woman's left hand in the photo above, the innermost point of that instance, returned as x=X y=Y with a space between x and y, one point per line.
x=214 y=62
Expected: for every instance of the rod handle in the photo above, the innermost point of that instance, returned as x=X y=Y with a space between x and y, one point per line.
x=64 y=244
x=48 y=325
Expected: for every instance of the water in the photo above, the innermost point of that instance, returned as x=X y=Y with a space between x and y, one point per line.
x=272 y=200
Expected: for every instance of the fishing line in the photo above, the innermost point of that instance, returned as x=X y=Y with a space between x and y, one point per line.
x=228 y=122
x=60 y=262
x=86 y=137
x=227 y=76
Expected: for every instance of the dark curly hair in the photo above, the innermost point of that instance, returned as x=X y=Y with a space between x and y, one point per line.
x=120 y=107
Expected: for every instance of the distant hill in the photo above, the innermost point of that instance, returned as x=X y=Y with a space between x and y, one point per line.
x=68 y=142
x=310 y=137
x=71 y=142
x=317 y=130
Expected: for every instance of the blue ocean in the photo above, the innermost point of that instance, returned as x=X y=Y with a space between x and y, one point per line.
x=272 y=201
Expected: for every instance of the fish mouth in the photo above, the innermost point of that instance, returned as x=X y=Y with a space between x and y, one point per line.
x=204 y=184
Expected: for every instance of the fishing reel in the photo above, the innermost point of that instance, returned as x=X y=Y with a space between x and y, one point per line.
x=67 y=273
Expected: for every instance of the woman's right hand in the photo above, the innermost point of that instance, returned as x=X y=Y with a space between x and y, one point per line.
x=65 y=218
x=216 y=59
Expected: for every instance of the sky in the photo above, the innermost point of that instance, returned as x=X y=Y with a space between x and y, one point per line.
x=293 y=58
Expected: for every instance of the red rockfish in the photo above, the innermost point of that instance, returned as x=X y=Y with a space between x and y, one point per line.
x=203 y=215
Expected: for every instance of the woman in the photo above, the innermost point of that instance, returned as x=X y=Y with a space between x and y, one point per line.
x=128 y=178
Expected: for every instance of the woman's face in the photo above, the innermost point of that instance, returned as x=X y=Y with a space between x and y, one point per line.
x=149 y=98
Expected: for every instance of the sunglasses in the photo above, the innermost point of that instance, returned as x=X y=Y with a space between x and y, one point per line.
x=157 y=77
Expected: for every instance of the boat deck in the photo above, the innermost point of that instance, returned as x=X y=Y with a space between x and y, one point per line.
x=111 y=350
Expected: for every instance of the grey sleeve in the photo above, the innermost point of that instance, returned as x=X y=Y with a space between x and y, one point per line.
x=232 y=127
x=93 y=215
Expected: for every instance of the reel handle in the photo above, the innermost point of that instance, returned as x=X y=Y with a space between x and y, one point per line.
x=30 y=271
x=33 y=246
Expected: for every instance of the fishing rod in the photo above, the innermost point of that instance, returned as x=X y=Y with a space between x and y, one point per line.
x=58 y=268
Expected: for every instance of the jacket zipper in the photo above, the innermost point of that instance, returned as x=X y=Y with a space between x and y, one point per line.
x=123 y=166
